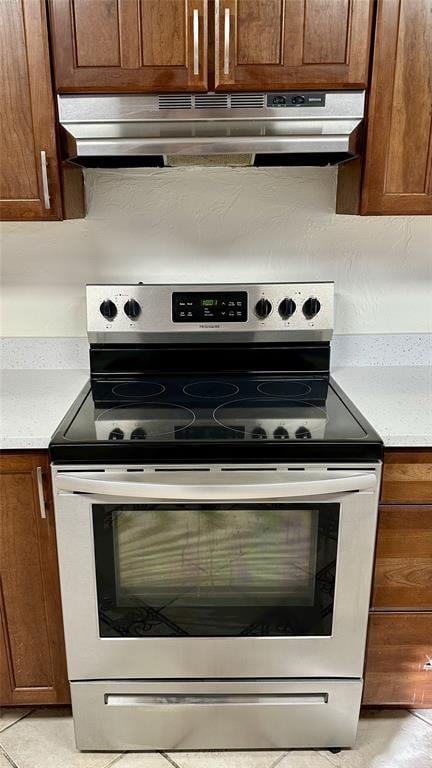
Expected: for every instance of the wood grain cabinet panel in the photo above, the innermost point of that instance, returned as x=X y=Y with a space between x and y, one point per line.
x=399 y=650
x=398 y=167
x=33 y=663
x=284 y=44
x=407 y=477
x=129 y=45
x=403 y=560
x=27 y=124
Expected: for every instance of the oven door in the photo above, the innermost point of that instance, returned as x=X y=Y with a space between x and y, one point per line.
x=215 y=573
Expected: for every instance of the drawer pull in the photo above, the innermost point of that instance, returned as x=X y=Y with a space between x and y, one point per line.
x=142 y=699
x=428 y=666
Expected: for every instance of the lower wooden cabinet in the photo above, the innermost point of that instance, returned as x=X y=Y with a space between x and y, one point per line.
x=407 y=477
x=403 y=559
x=398 y=661
x=32 y=654
x=398 y=668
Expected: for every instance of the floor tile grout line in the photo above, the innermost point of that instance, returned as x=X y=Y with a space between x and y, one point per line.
x=10 y=759
x=328 y=756
x=169 y=759
x=279 y=759
x=18 y=720
x=115 y=760
x=419 y=717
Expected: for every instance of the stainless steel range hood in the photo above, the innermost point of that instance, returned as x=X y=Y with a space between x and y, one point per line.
x=286 y=128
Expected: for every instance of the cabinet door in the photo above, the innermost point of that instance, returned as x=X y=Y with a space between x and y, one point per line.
x=403 y=560
x=129 y=45
x=275 y=44
x=398 y=654
x=31 y=637
x=29 y=180
x=398 y=171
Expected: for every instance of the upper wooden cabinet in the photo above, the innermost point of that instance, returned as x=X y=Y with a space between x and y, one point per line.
x=33 y=184
x=129 y=45
x=397 y=173
x=29 y=178
x=161 y=45
x=278 y=44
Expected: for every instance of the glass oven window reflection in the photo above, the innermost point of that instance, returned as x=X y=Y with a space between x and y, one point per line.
x=196 y=570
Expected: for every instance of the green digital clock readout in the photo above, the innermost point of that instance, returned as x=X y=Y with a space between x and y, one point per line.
x=209 y=302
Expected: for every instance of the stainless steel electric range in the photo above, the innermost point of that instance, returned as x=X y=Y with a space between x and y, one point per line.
x=216 y=499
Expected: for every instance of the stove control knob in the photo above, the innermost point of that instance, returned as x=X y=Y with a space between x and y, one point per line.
x=280 y=433
x=303 y=433
x=138 y=434
x=116 y=434
x=286 y=308
x=108 y=309
x=258 y=433
x=311 y=307
x=263 y=309
x=132 y=309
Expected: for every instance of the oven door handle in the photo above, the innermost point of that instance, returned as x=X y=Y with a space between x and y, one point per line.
x=206 y=486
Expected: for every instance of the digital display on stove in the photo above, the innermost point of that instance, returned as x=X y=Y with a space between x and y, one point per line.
x=210 y=307
x=209 y=302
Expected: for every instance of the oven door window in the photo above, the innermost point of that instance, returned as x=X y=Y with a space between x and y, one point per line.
x=206 y=570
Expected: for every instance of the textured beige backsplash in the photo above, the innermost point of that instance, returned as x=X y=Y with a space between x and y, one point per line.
x=216 y=225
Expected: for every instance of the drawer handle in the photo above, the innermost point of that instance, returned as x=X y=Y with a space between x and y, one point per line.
x=142 y=699
x=428 y=666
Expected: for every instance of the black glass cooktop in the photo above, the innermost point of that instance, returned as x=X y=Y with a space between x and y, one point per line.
x=210 y=412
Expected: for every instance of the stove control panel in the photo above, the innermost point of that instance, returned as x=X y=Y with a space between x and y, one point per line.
x=210 y=307
x=247 y=312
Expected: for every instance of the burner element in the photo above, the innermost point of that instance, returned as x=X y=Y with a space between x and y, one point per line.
x=137 y=390
x=210 y=389
x=144 y=421
x=282 y=388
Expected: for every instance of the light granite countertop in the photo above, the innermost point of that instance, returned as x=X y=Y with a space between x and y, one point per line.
x=32 y=404
x=397 y=401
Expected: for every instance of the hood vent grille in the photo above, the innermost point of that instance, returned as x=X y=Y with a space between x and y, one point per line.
x=175 y=101
x=212 y=101
x=247 y=100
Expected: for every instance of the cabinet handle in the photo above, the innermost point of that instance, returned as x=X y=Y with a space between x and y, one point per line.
x=227 y=25
x=428 y=666
x=45 y=187
x=196 y=41
x=41 y=494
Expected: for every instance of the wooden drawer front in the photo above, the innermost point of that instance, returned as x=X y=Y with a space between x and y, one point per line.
x=399 y=645
x=403 y=560
x=407 y=477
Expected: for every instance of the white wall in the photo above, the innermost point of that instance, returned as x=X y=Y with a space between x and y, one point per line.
x=218 y=224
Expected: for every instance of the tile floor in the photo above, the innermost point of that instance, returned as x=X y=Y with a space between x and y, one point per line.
x=43 y=738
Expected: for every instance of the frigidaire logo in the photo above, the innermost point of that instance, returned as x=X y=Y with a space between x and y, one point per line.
x=206 y=327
